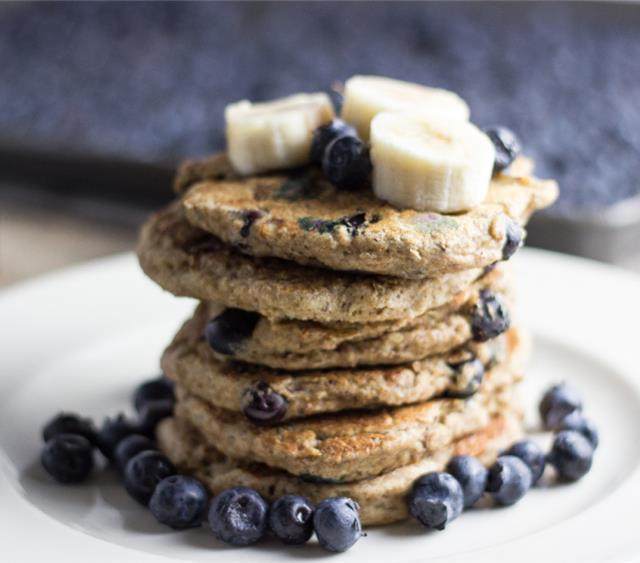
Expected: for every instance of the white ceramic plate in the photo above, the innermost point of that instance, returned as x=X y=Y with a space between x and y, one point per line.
x=81 y=340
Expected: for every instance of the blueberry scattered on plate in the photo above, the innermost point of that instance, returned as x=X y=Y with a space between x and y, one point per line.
x=238 y=516
x=113 y=430
x=571 y=455
x=157 y=389
x=151 y=413
x=68 y=458
x=291 y=519
x=578 y=422
x=509 y=480
x=70 y=423
x=436 y=499
x=471 y=475
x=532 y=455
x=336 y=522
x=179 y=502
x=558 y=402
x=129 y=447
x=143 y=472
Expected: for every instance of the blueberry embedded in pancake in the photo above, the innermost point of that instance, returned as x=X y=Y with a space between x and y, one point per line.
x=268 y=396
x=294 y=345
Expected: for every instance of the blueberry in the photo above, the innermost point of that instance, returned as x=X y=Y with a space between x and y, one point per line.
x=468 y=377
x=238 y=516
x=68 y=458
x=262 y=405
x=578 y=422
x=490 y=318
x=291 y=519
x=346 y=162
x=509 y=480
x=534 y=458
x=70 y=423
x=154 y=390
x=144 y=471
x=355 y=223
x=323 y=135
x=226 y=332
x=336 y=522
x=571 y=455
x=558 y=402
x=249 y=217
x=506 y=144
x=180 y=502
x=129 y=447
x=513 y=240
x=471 y=475
x=152 y=413
x=113 y=430
x=436 y=499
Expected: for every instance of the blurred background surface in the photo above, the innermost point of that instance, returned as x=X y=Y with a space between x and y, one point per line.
x=98 y=102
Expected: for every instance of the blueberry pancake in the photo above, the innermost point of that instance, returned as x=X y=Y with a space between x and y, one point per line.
x=218 y=167
x=262 y=335
x=300 y=216
x=381 y=499
x=245 y=388
x=234 y=334
x=350 y=445
x=187 y=261
x=353 y=329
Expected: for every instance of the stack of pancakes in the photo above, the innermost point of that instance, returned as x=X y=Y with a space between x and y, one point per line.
x=341 y=346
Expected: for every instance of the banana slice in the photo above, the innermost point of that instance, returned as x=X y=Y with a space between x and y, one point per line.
x=275 y=134
x=366 y=96
x=430 y=164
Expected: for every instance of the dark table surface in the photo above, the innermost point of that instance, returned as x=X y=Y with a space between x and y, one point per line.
x=111 y=96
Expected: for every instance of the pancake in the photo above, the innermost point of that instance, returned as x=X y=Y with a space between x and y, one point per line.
x=286 y=336
x=349 y=445
x=189 y=262
x=382 y=499
x=234 y=386
x=299 y=216
x=304 y=345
